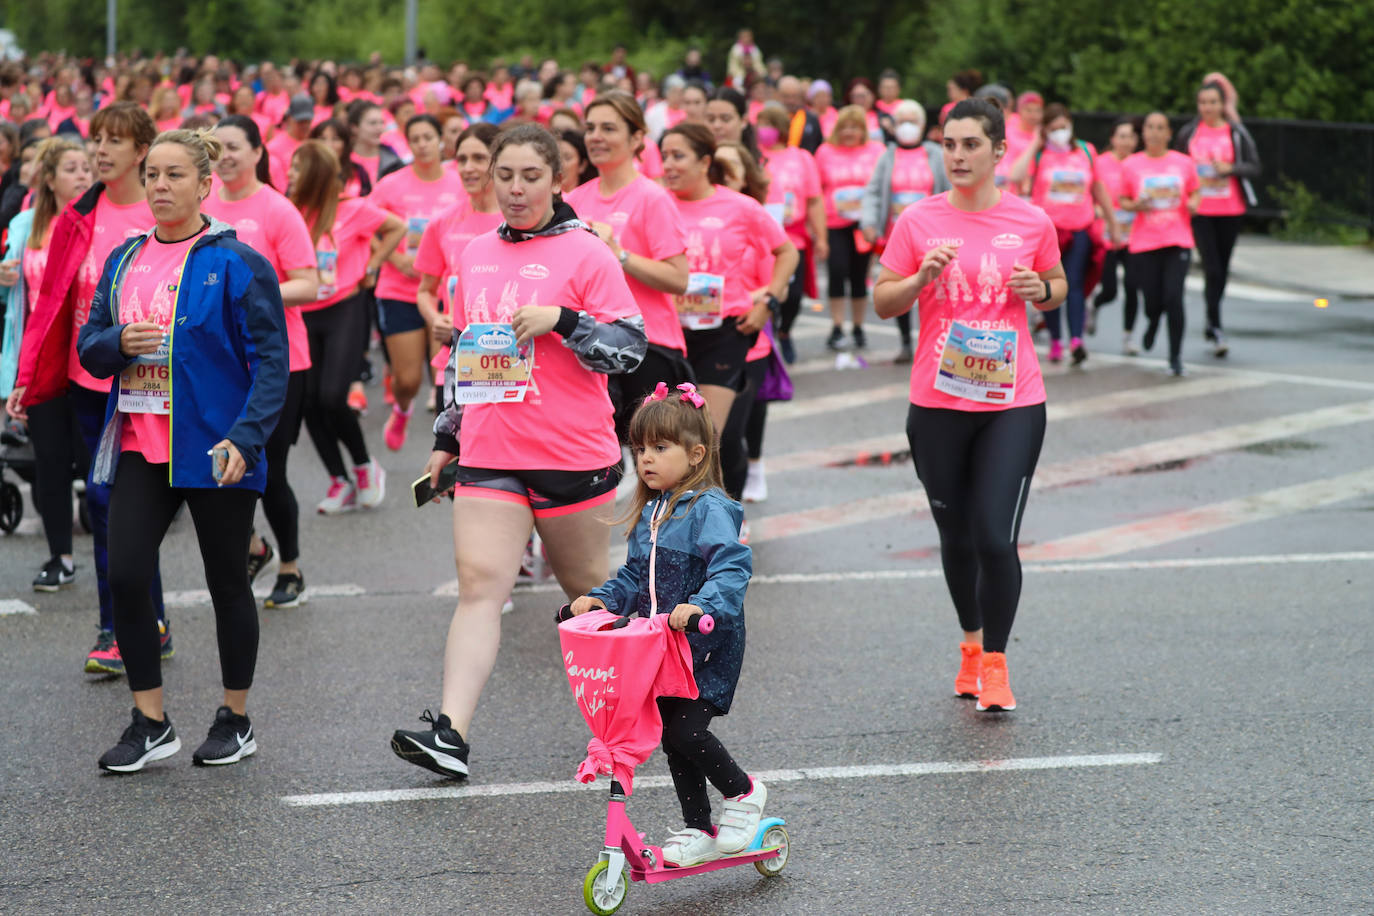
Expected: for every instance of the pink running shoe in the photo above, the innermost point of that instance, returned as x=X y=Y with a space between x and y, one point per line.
x=1056 y=351
x=371 y=484
x=395 y=430
x=342 y=497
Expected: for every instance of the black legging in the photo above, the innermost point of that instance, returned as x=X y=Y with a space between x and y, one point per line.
x=59 y=455
x=1160 y=274
x=1119 y=257
x=141 y=509
x=629 y=390
x=734 y=450
x=976 y=468
x=847 y=264
x=695 y=755
x=791 y=306
x=278 y=499
x=337 y=335
x=1215 y=238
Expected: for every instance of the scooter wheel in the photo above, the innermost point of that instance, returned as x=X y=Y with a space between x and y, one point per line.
x=11 y=507
x=774 y=836
x=602 y=892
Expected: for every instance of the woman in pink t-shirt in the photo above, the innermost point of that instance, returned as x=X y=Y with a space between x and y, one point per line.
x=417 y=193
x=545 y=316
x=639 y=221
x=1226 y=159
x=970 y=259
x=264 y=220
x=1062 y=173
x=1160 y=186
x=846 y=161
x=1125 y=141
x=351 y=238
x=720 y=315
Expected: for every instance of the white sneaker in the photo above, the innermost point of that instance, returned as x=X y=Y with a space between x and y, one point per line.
x=756 y=484
x=740 y=820
x=688 y=847
x=1128 y=346
x=342 y=497
x=371 y=484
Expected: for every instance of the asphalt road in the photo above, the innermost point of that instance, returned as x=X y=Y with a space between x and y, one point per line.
x=1191 y=660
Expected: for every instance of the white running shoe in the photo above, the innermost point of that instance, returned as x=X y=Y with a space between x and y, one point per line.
x=756 y=484
x=371 y=484
x=1128 y=346
x=688 y=847
x=740 y=820
x=342 y=497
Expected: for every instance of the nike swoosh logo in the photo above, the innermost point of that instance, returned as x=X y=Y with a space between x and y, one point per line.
x=149 y=743
x=439 y=742
x=243 y=739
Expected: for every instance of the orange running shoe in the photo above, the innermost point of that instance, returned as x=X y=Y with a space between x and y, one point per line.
x=357 y=400
x=970 y=664
x=996 y=690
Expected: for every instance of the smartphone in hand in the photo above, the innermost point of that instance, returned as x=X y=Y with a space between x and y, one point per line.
x=424 y=493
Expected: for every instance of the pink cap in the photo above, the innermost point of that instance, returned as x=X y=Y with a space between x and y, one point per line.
x=1031 y=96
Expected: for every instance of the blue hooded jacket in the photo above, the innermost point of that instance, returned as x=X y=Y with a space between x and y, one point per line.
x=699 y=560
x=228 y=355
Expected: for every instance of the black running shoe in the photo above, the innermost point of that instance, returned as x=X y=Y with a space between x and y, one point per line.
x=230 y=740
x=142 y=742
x=1148 y=341
x=440 y=749
x=860 y=341
x=257 y=562
x=54 y=574
x=288 y=592
x=836 y=339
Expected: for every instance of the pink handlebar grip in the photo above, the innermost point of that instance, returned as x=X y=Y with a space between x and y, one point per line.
x=705 y=623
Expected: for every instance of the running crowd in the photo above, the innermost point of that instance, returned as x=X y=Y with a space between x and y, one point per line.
x=561 y=264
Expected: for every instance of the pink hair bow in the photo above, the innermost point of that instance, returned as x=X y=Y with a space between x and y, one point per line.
x=690 y=395
x=660 y=392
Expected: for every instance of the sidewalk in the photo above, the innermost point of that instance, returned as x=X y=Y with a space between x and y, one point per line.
x=1333 y=271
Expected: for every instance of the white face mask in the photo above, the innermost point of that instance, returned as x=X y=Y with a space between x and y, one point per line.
x=1060 y=138
x=907 y=133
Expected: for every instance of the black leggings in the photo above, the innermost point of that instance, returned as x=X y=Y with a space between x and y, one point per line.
x=1119 y=257
x=847 y=264
x=695 y=755
x=1215 y=238
x=59 y=456
x=791 y=306
x=628 y=391
x=1160 y=274
x=735 y=452
x=278 y=499
x=337 y=335
x=141 y=509
x=976 y=468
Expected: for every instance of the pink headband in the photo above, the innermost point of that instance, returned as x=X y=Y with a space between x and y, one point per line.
x=689 y=394
x=1025 y=97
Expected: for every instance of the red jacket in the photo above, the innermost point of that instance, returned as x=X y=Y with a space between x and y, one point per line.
x=49 y=330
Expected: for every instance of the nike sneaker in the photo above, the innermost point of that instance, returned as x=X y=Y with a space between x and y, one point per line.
x=230 y=740
x=142 y=742
x=440 y=748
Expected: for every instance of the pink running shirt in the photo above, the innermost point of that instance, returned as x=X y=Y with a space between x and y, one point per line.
x=445 y=237
x=1062 y=184
x=565 y=421
x=34 y=262
x=794 y=181
x=973 y=288
x=114 y=225
x=1220 y=193
x=645 y=220
x=1167 y=181
x=416 y=202
x=912 y=180
x=269 y=224
x=721 y=231
x=341 y=254
x=845 y=171
x=148 y=292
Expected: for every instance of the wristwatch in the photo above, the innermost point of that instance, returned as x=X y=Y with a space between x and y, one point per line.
x=624 y=256
x=1048 y=293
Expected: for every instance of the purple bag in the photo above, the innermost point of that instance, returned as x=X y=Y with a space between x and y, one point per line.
x=777 y=384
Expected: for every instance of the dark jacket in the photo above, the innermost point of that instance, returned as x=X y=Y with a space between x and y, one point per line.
x=1247 y=164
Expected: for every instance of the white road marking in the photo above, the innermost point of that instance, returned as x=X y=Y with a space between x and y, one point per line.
x=873 y=771
x=199 y=597
x=1092 y=467
x=844 y=400
x=15 y=606
x=1176 y=526
x=1198 y=285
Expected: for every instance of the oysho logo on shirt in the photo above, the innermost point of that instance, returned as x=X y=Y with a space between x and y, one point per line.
x=951 y=242
x=1008 y=241
x=484 y=268
x=534 y=272
x=713 y=222
x=247 y=225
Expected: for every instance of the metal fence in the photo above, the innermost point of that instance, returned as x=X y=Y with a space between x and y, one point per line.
x=1335 y=161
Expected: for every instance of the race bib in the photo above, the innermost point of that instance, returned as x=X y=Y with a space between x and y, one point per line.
x=1212 y=183
x=327 y=263
x=978 y=365
x=492 y=368
x=1164 y=192
x=415 y=230
x=146 y=386
x=1124 y=217
x=1067 y=186
x=849 y=203
x=903 y=200
x=701 y=307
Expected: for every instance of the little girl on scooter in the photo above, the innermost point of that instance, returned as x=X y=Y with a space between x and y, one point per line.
x=685 y=559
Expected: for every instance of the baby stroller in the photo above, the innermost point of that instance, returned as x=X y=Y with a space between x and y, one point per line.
x=16 y=454
x=617 y=667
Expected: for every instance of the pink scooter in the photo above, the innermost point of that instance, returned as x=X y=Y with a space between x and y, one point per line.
x=626 y=856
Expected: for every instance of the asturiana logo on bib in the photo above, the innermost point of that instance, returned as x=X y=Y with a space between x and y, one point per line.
x=496 y=340
x=984 y=344
x=534 y=272
x=1008 y=240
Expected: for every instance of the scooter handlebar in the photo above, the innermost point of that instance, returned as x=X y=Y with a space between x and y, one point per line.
x=697 y=623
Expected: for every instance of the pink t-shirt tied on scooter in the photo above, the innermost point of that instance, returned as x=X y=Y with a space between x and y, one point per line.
x=617 y=676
